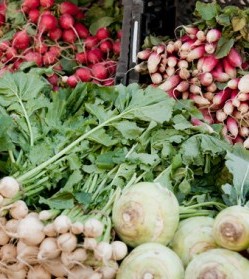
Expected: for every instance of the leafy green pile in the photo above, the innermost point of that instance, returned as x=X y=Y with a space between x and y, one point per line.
x=81 y=146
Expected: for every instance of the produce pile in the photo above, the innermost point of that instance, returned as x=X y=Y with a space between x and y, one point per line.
x=207 y=64
x=72 y=43
x=105 y=182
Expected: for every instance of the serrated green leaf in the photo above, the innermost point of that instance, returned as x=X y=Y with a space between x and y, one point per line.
x=207 y=11
x=224 y=46
x=128 y=129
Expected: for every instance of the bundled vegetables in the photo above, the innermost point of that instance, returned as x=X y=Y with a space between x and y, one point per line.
x=207 y=64
x=65 y=39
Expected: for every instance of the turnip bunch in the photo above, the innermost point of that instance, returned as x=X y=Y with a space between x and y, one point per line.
x=59 y=37
x=192 y=67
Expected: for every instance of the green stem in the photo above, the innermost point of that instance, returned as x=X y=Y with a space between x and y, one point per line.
x=217 y=204
x=11 y=155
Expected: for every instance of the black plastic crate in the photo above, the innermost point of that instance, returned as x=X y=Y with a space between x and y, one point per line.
x=156 y=17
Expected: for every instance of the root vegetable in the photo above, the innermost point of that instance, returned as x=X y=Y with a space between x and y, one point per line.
x=62 y=224
x=77 y=228
x=103 y=251
x=213 y=35
x=208 y=64
x=119 y=250
x=153 y=62
x=196 y=53
x=232 y=126
x=67 y=242
x=48 y=249
x=8 y=253
x=243 y=84
x=19 y=210
x=144 y=54
x=38 y=272
x=89 y=243
x=156 y=78
x=234 y=58
x=170 y=83
x=9 y=187
x=93 y=228
x=79 y=272
x=78 y=256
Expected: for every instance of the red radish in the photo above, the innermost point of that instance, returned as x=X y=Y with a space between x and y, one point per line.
x=233 y=83
x=106 y=46
x=162 y=68
x=68 y=36
x=102 y=33
x=30 y=4
x=81 y=57
x=156 y=78
x=34 y=57
x=49 y=58
x=229 y=69
x=170 y=48
x=56 y=50
x=199 y=64
x=40 y=47
x=72 y=80
x=232 y=126
x=206 y=79
x=243 y=97
x=90 y=42
x=219 y=75
x=53 y=79
x=81 y=30
x=34 y=15
x=3 y=8
x=99 y=71
x=185 y=38
x=234 y=98
x=144 y=54
x=200 y=35
x=2 y=20
x=47 y=3
x=172 y=61
x=182 y=86
x=21 y=40
x=170 y=83
x=55 y=34
x=190 y=30
x=221 y=97
x=210 y=48
x=245 y=66
x=209 y=63
x=84 y=74
x=68 y=7
x=160 y=49
x=186 y=47
x=234 y=58
x=208 y=95
x=195 y=89
x=10 y=53
x=177 y=45
x=80 y=15
x=221 y=116
x=111 y=67
x=243 y=84
x=109 y=82
x=66 y=21
x=228 y=107
x=153 y=62
x=117 y=47
x=47 y=22
x=213 y=35
x=94 y=55
x=207 y=116
x=238 y=139
x=17 y=64
x=212 y=87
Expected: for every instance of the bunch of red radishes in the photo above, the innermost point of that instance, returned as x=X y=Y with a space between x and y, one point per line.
x=188 y=68
x=54 y=35
x=43 y=245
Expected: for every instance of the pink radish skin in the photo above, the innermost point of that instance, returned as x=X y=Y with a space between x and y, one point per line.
x=207 y=116
x=228 y=107
x=47 y=22
x=55 y=34
x=238 y=139
x=72 y=81
x=66 y=21
x=186 y=47
x=177 y=45
x=106 y=46
x=99 y=71
x=233 y=83
x=195 y=89
x=182 y=86
x=243 y=84
x=94 y=55
x=30 y=4
x=47 y=3
x=209 y=63
x=243 y=97
x=153 y=62
x=33 y=15
x=102 y=33
x=21 y=40
x=234 y=58
x=81 y=30
x=200 y=35
x=219 y=75
x=83 y=74
x=190 y=30
x=170 y=71
x=199 y=65
x=206 y=79
x=213 y=35
x=68 y=7
x=68 y=36
x=156 y=78
x=221 y=116
x=232 y=126
x=160 y=49
x=234 y=98
x=210 y=48
x=221 y=97
x=170 y=83
x=229 y=69
x=174 y=94
x=196 y=53
x=170 y=48
x=208 y=95
x=182 y=64
x=144 y=54
x=90 y=42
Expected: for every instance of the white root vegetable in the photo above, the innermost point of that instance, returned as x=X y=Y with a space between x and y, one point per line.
x=48 y=249
x=90 y=243
x=193 y=236
x=119 y=250
x=151 y=260
x=8 y=253
x=103 y=251
x=109 y=271
x=243 y=84
x=67 y=242
x=27 y=254
x=16 y=272
x=38 y=272
x=146 y=212
x=78 y=256
x=9 y=187
x=93 y=228
x=96 y=275
x=218 y=263
x=30 y=230
x=79 y=272
x=62 y=224
x=49 y=230
x=77 y=228
x=55 y=267
x=4 y=238
x=19 y=210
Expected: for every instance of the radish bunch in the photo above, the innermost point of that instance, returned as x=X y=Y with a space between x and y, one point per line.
x=32 y=245
x=54 y=35
x=188 y=68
